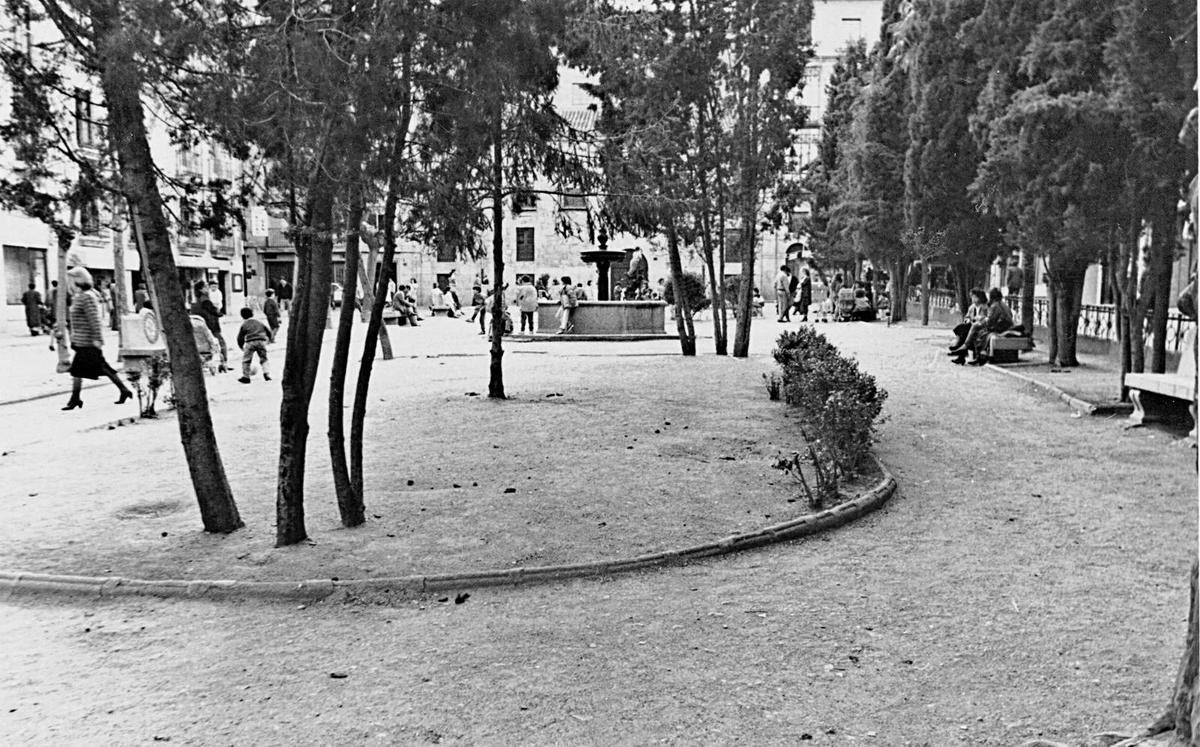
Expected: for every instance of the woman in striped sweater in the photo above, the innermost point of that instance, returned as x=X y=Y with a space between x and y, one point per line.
x=87 y=340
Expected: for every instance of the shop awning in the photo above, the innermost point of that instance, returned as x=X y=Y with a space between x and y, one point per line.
x=201 y=263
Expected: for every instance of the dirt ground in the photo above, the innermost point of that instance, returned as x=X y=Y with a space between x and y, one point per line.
x=593 y=456
x=1029 y=578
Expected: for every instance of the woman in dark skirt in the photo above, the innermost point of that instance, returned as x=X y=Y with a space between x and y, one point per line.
x=87 y=340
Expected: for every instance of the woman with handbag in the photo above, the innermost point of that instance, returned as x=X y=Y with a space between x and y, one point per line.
x=87 y=340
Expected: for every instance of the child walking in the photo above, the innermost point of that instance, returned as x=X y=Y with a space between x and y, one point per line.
x=252 y=338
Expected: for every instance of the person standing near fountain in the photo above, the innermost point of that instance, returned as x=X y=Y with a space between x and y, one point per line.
x=639 y=272
x=569 y=301
x=527 y=302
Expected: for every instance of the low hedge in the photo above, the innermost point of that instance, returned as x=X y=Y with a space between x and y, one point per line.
x=838 y=404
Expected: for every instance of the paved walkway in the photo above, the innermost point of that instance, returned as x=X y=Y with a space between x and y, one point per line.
x=1029 y=579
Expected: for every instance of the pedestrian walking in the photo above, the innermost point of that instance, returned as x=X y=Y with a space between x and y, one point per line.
x=284 y=294
x=32 y=301
x=271 y=312
x=527 y=303
x=87 y=340
x=783 y=294
x=805 y=297
x=252 y=338
x=478 y=301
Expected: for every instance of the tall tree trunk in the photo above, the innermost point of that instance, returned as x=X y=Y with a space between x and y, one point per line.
x=121 y=81
x=1182 y=717
x=1162 y=259
x=749 y=197
x=358 y=412
x=120 y=296
x=350 y=501
x=367 y=271
x=496 y=367
x=899 y=290
x=1052 y=329
x=306 y=331
x=716 y=282
x=375 y=332
x=925 y=289
x=962 y=287
x=1067 y=283
x=62 y=337
x=715 y=291
x=1118 y=260
x=1027 y=286
x=683 y=310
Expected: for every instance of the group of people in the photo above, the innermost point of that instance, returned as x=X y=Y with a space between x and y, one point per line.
x=987 y=315
x=841 y=300
x=253 y=335
x=793 y=293
x=42 y=313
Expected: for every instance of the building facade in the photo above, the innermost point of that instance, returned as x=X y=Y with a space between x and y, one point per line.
x=104 y=241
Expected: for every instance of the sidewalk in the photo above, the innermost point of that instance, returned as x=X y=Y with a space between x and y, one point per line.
x=1097 y=379
x=29 y=367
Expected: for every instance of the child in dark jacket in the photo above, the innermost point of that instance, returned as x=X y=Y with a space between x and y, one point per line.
x=253 y=338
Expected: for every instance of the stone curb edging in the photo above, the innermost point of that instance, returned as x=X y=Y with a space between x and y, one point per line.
x=555 y=337
x=16 y=583
x=1081 y=405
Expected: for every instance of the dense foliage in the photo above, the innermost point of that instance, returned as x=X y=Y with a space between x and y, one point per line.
x=838 y=405
x=979 y=127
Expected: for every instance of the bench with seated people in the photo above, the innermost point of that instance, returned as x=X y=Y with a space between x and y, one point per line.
x=988 y=331
x=441 y=302
x=403 y=309
x=1155 y=395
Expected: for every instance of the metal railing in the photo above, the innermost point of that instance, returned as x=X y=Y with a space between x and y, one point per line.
x=1097 y=321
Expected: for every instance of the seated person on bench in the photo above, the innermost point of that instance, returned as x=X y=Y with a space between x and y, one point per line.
x=999 y=319
x=976 y=314
x=845 y=303
x=404 y=304
x=863 y=310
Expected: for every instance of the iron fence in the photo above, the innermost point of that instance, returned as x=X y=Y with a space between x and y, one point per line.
x=1097 y=321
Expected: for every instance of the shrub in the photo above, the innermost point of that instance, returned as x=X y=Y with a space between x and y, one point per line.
x=693 y=292
x=838 y=403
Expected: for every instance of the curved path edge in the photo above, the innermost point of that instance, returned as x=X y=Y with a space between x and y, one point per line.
x=15 y=583
x=1075 y=403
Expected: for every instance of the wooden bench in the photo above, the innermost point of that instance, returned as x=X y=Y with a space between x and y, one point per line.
x=391 y=316
x=1004 y=348
x=439 y=311
x=1156 y=395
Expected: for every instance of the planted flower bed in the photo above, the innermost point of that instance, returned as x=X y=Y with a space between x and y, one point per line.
x=838 y=406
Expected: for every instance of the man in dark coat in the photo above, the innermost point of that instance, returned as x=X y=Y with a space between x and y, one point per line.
x=32 y=300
